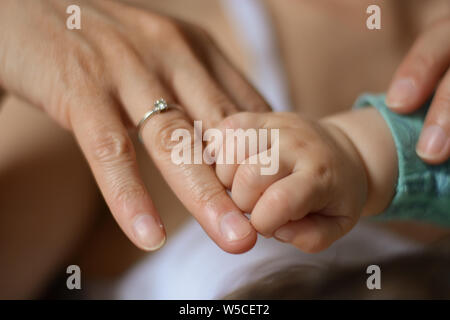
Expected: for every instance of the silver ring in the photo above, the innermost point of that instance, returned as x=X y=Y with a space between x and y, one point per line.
x=159 y=106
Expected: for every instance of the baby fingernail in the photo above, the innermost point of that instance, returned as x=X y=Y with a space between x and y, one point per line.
x=148 y=232
x=401 y=93
x=432 y=142
x=235 y=226
x=284 y=234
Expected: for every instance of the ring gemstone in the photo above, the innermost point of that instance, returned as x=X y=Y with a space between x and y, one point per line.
x=160 y=105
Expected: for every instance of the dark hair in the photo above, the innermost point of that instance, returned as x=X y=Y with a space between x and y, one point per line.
x=422 y=275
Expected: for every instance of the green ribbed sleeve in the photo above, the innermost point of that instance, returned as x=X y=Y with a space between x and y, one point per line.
x=422 y=191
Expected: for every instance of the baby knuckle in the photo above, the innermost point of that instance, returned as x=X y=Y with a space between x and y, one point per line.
x=322 y=171
x=320 y=165
x=299 y=144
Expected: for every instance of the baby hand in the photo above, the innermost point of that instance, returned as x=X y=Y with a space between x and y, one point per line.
x=318 y=192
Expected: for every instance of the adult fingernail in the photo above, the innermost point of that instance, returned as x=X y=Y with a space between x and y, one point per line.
x=148 y=232
x=235 y=226
x=432 y=142
x=284 y=234
x=401 y=93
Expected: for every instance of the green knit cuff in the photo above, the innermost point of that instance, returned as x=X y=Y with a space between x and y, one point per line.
x=422 y=191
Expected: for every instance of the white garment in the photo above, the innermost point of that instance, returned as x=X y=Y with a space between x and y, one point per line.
x=251 y=22
x=191 y=266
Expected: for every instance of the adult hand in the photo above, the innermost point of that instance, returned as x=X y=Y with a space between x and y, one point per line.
x=425 y=68
x=102 y=79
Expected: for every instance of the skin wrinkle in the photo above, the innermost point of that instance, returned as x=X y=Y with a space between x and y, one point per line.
x=203 y=192
x=162 y=133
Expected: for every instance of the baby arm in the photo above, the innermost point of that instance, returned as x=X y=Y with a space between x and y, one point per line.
x=371 y=137
x=330 y=173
